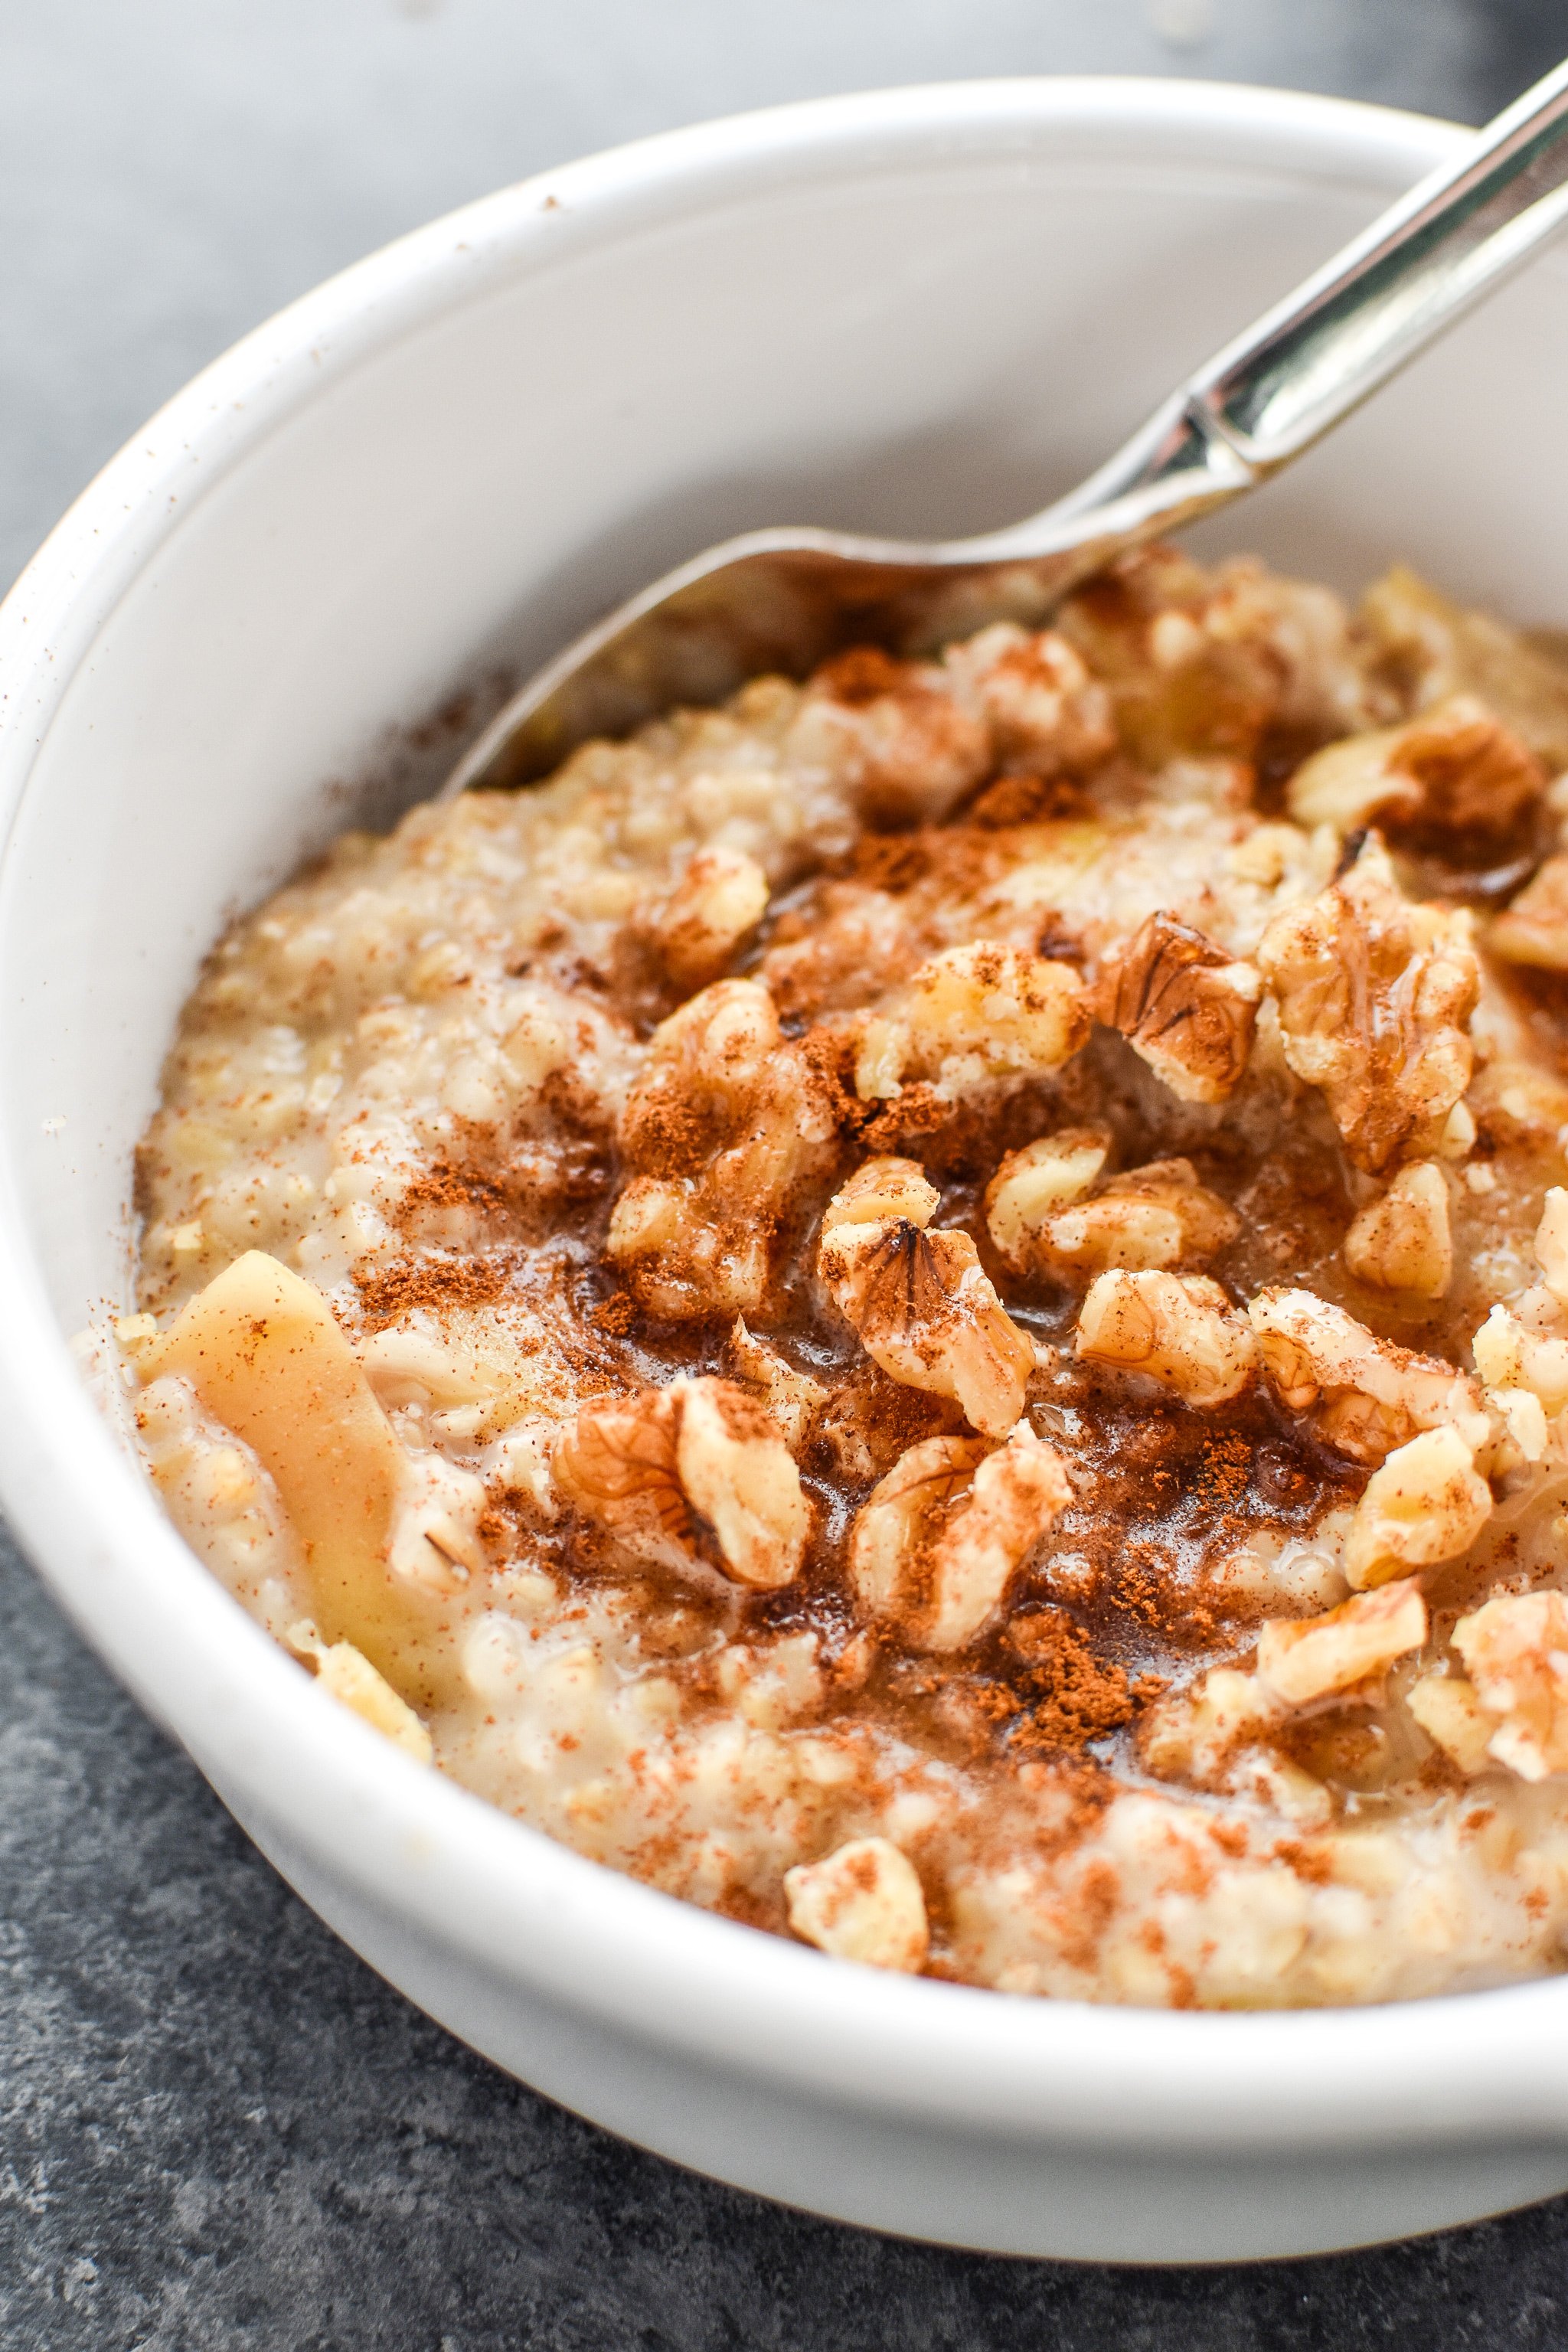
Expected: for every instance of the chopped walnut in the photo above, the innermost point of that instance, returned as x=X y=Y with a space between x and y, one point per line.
x=1043 y=709
x=1458 y=1141
x=881 y=1046
x=1031 y=1185
x=1158 y=1215
x=938 y=1539
x=791 y=1399
x=871 y=1419
x=616 y=1462
x=1374 y=994
x=906 y=745
x=1521 y=1350
x=740 y=1477
x=861 y=1903
x=1456 y=768
x=1452 y=1717
x=1515 y=1102
x=1525 y=1349
x=973 y=1016
x=1184 y=1006
x=641 y=1465
x=1218 y=1731
x=1178 y=1328
x=1401 y=1241
x=1194 y=1729
x=1367 y=1396
x=1515 y=1650
x=720 y=897
x=921 y=1302
x=888 y=1187
x=1522 y=1436
x=725 y=1125
x=1552 y=1243
x=1425 y=1504
x=1306 y=1658
x=1533 y=930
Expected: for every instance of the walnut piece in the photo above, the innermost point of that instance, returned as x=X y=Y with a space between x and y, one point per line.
x=1374 y=995
x=791 y=1399
x=1455 y=768
x=1552 y=1243
x=920 y=1301
x=616 y=1462
x=972 y=1017
x=862 y=1903
x=1522 y=1434
x=1533 y=930
x=738 y=1474
x=1178 y=1328
x=1157 y=1215
x=1366 y=1395
x=1452 y=1717
x=1517 y=1102
x=1515 y=1650
x=726 y=1123
x=1194 y=1729
x=1306 y=1658
x=937 y=1541
x=1031 y=1185
x=1426 y=1503
x=1525 y=1348
x=1184 y=1006
x=1219 y=1732
x=1521 y=1349
x=642 y=1465
x=720 y=898
x=1401 y=1241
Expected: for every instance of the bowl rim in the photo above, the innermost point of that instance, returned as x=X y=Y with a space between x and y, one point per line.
x=525 y=1909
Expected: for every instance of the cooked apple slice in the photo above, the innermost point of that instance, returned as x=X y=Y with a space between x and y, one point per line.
x=265 y=1355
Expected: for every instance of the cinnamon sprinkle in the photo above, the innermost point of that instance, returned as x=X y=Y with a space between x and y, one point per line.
x=392 y=1288
x=1077 y=1696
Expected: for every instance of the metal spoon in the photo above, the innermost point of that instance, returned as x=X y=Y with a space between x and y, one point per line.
x=783 y=599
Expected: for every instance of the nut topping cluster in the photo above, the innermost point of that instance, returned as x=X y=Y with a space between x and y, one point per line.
x=932 y=1308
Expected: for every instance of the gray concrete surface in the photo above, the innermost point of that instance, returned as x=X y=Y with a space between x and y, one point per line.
x=216 y=2129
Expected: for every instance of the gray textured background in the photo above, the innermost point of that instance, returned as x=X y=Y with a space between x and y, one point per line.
x=216 y=2129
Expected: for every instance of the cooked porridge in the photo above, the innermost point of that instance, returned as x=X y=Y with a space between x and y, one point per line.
x=932 y=1309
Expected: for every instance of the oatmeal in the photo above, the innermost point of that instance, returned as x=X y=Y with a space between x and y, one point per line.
x=932 y=1309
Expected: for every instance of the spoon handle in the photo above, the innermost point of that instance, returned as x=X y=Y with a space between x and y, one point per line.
x=1293 y=374
x=1394 y=289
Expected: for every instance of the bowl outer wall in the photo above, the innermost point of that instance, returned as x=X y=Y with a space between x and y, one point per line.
x=520 y=1906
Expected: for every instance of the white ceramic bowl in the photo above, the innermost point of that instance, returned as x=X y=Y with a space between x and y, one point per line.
x=919 y=312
